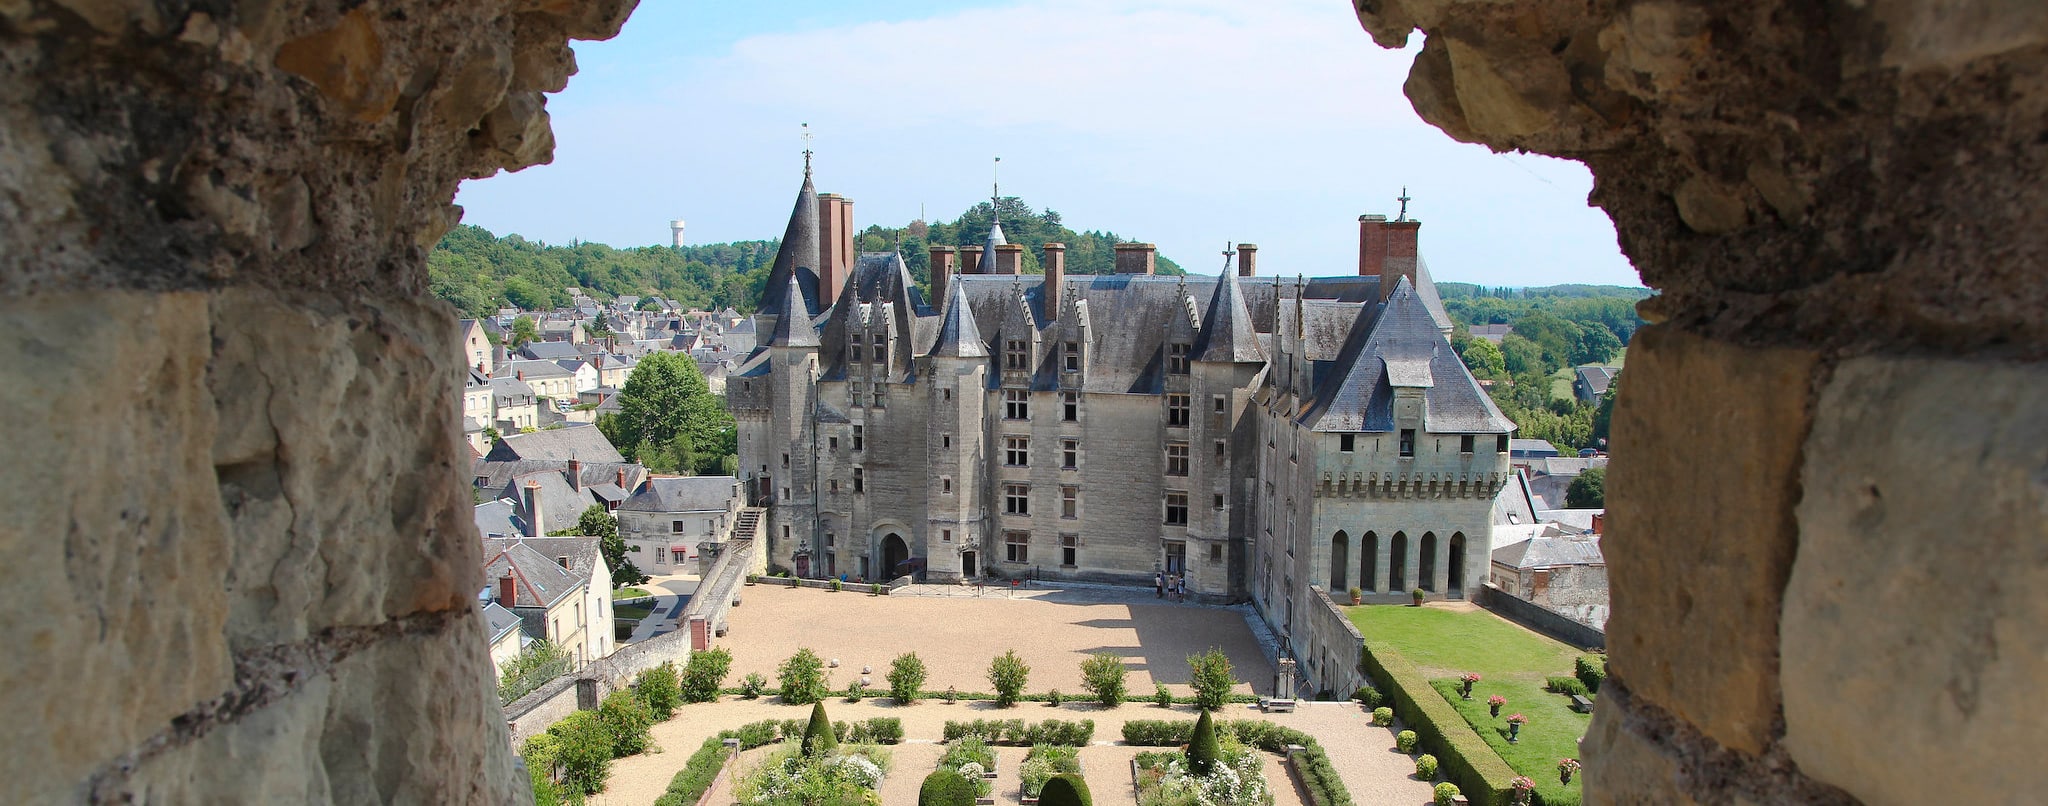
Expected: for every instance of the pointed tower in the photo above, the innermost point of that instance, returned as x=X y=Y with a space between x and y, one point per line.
x=989 y=263
x=957 y=520
x=791 y=439
x=1228 y=368
x=796 y=262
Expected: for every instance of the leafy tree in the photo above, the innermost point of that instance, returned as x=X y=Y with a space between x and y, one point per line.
x=1204 y=750
x=1482 y=357
x=1595 y=346
x=802 y=678
x=598 y=523
x=539 y=662
x=583 y=752
x=539 y=754
x=668 y=419
x=661 y=689
x=906 y=678
x=1007 y=673
x=626 y=719
x=528 y=295
x=1603 y=414
x=1103 y=676
x=1212 y=678
x=1588 y=491
x=1520 y=355
x=704 y=674
x=524 y=332
x=819 y=738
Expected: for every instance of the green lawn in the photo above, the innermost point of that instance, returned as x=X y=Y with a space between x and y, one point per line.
x=635 y=612
x=630 y=593
x=1511 y=662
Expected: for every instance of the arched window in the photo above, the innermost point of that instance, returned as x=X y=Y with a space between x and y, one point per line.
x=1397 y=563
x=1369 y=562
x=1458 y=562
x=1340 y=562
x=1425 y=578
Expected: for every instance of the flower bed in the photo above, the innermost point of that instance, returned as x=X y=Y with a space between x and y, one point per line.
x=788 y=777
x=1239 y=779
x=971 y=758
x=1042 y=763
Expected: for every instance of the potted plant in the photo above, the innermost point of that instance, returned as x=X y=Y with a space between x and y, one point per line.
x=1419 y=594
x=875 y=590
x=1515 y=727
x=1494 y=703
x=1357 y=596
x=1565 y=768
x=836 y=585
x=1524 y=787
x=1467 y=680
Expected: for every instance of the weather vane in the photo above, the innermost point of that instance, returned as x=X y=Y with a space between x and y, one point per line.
x=1229 y=251
x=807 y=149
x=1404 y=204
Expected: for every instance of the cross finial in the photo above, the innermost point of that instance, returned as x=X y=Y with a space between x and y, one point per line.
x=807 y=149
x=995 y=198
x=1404 y=204
x=1229 y=251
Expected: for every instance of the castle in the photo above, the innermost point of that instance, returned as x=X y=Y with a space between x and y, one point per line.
x=1252 y=434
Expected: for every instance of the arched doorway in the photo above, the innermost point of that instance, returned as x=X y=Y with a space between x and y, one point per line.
x=1397 y=564
x=1369 y=562
x=1340 y=562
x=1425 y=578
x=968 y=569
x=1458 y=563
x=894 y=552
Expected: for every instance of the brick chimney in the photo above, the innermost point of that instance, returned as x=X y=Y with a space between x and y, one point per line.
x=508 y=591
x=622 y=479
x=533 y=513
x=1387 y=250
x=1010 y=258
x=942 y=267
x=835 y=244
x=1247 y=260
x=1599 y=523
x=1136 y=258
x=1055 y=277
x=970 y=260
x=575 y=475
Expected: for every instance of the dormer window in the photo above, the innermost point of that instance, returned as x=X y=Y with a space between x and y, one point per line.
x=1073 y=356
x=1016 y=354
x=1408 y=443
x=1177 y=359
x=881 y=351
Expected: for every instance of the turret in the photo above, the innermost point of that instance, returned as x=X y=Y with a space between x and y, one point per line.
x=957 y=475
x=792 y=436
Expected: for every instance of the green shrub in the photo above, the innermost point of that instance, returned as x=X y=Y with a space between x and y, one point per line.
x=661 y=689
x=1203 y=749
x=945 y=788
x=1383 y=716
x=802 y=678
x=540 y=662
x=820 y=737
x=1565 y=685
x=878 y=730
x=1405 y=741
x=1591 y=670
x=1007 y=673
x=1158 y=732
x=906 y=678
x=856 y=691
x=838 y=586
x=1065 y=789
x=1042 y=763
x=1161 y=697
x=1368 y=695
x=626 y=719
x=704 y=674
x=752 y=685
x=539 y=754
x=583 y=752
x=1103 y=676
x=1446 y=794
x=1212 y=678
x=1465 y=759
x=1052 y=698
x=1425 y=767
x=1318 y=775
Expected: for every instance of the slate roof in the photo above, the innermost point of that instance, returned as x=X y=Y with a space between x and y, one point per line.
x=1579 y=519
x=585 y=444
x=1403 y=348
x=1597 y=379
x=1531 y=448
x=797 y=258
x=549 y=350
x=682 y=494
x=1516 y=504
x=495 y=474
x=510 y=388
x=535 y=370
x=498 y=622
x=1549 y=550
x=1227 y=334
x=793 y=328
x=531 y=562
x=958 y=337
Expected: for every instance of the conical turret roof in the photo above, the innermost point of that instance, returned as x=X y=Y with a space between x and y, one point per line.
x=797 y=260
x=1227 y=335
x=793 y=328
x=958 y=336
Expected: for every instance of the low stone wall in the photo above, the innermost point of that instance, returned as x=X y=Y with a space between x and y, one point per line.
x=1329 y=656
x=721 y=583
x=1539 y=618
x=586 y=687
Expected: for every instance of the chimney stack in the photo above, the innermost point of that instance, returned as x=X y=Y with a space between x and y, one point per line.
x=508 y=591
x=1135 y=258
x=1387 y=250
x=970 y=260
x=942 y=267
x=1247 y=260
x=1599 y=523
x=835 y=244
x=1010 y=258
x=622 y=479
x=533 y=514
x=575 y=475
x=1055 y=277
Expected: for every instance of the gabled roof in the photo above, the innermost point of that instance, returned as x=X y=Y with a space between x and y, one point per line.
x=583 y=552
x=682 y=494
x=1227 y=332
x=549 y=350
x=1403 y=348
x=1551 y=548
x=794 y=327
x=797 y=259
x=540 y=579
x=498 y=622
x=535 y=370
x=587 y=445
x=495 y=474
x=958 y=337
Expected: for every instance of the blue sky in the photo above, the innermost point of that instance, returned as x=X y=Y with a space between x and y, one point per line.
x=1188 y=123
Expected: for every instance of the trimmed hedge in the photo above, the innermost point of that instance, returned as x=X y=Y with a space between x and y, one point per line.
x=1465 y=758
x=1318 y=776
x=1591 y=670
x=690 y=783
x=1565 y=685
x=1017 y=732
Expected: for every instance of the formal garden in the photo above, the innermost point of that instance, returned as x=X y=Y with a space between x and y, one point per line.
x=1487 y=704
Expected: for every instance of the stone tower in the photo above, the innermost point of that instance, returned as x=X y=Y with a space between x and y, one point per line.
x=1226 y=373
x=957 y=368
x=792 y=442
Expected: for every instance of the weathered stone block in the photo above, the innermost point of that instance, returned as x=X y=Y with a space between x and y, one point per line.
x=1700 y=493
x=1913 y=653
x=1623 y=768
x=115 y=597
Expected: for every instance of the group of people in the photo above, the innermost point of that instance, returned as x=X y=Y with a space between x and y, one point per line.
x=1165 y=585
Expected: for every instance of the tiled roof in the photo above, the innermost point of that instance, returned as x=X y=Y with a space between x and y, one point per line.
x=682 y=494
x=1403 y=348
x=540 y=580
x=585 y=444
x=797 y=259
x=1549 y=549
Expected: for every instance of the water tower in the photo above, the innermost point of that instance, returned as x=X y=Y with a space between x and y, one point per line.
x=675 y=229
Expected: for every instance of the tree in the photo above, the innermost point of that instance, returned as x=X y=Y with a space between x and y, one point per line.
x=819 y=738
x=1482 y=357
x=1007 y=674
x=668 y=419
x=524 y=332
x=661 y=689
x=583 y=751
x=626 y=719
x=906 y=678
x=1212 y=678
x=599 y=523
x=1588 y=491
x=1103 y=676
x=1204 y=749
x=705 y=674
x=1520 y=355
x=802 y=678
x=1065 y=789
x=1603 y=415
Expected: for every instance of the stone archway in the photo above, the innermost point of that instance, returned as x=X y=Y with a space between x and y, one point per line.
x=894 y=553
x=1369 y=562
x=1457 y=569
x=1340 y=562
x=1425 y=573
x=1397 y=564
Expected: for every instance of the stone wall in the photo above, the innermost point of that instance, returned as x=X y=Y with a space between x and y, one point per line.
x=244 y=567
x=586 y=687
x=1839 y=204
x=1330 y=648
x=1539 y=618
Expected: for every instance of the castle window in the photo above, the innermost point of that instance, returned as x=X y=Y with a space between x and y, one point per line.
x=859 y=481
x=1070 y=454
x=1408 y=442
x=785 y=460
x=945 y=535
x=1176 y=509
x=1503 y=448
x=1220 y=450
x=945 y=440
x=1216 y=552
x=1071 y=403
x=1177 y=359
x=1017 y=547
x=946 y=485
x=1070 y=550
x=1016 y=404
x=1218 y=500
x=1177 y=459
x=1465 y=444
x=1218 y=401
x=831 y=539
x=833 y=486
x=1070 y=502
x=675 y=527
x=1016 y=499
x=1177 y=411
x=1073 y=356
x=832 y=442
x=1347 y=442
x=856 y=438
x=881 y=351
x=946 y=394
x=1017 y=451
x=878 y=397
x=1016 y=354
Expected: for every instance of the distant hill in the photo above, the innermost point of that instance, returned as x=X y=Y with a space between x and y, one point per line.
x=478 y=271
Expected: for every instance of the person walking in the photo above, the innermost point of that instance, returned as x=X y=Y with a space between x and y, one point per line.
x=1180 y=591
x=1158 y=584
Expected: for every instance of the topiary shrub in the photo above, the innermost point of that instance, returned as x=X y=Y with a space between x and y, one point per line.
x=1371 y=697
x=1052 y=698
x=1446 y=794
x=1405 y=741
x=1591 y=670
x=1161 y=697
x=819 y=735
x=1383 y=716
x=1204 y=749
x=1425 y=767
x=1567 y=686
x=945 y=788
x=1065 y=789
